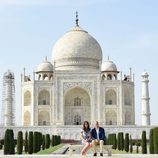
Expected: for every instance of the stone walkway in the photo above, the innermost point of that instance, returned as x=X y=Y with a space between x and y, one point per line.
x=57 y=154
x=78 y=156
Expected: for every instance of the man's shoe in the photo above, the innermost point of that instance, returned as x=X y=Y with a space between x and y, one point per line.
x=95 y=154
x=101 y=154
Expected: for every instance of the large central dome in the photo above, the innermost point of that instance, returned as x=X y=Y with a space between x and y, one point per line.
x=76 y=50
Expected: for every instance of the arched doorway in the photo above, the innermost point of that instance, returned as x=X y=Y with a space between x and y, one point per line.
x=27 y=118
x=43 y=118
x=76 y=106
x=27 y=98
x=111 y=117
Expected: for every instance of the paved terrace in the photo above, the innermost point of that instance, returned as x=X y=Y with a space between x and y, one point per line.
x=79 y=156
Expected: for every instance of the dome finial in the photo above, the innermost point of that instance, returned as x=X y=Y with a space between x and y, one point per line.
x=77 y=19
x=108 y=58
x=45 y=58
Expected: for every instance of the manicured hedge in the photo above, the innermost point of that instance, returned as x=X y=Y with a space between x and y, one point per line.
x=144 y=143
x=126 y=144
x=20 y=142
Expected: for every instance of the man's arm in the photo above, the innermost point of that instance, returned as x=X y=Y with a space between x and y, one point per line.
x=103 y=134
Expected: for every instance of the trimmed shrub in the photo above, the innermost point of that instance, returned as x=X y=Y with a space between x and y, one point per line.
x=114 y=141
x=40 y=140
x=126 y=142
x=137 y=149
x=47 y=141
x=6 y=142
x=26 y=142
x=9 y=146
x=59 y=139
x=120 y=141
x=151 y=142
x=20 y=142
x=43 y=142
x=144 y=142
x=131 y=144
x=12 y=143
x=30 y=143
x=2 y=141
x=35 y=142
x=156 y=140
x=52 y=141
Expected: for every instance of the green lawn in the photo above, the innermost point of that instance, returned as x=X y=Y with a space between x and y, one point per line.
x=51 y=149
x=124 y=152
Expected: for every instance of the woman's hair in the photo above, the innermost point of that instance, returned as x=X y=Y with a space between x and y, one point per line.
x=84 y=127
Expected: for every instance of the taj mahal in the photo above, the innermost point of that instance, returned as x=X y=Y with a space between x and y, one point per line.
x=77 y=85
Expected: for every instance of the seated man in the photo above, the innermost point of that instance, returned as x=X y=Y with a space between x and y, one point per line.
x=98 y=136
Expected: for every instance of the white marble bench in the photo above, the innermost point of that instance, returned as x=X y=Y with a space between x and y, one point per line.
x=73 y=147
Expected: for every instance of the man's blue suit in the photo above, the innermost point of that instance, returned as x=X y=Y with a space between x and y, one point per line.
x=101 y=133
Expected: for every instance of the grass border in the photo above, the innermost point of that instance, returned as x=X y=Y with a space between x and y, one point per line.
x=50 y=150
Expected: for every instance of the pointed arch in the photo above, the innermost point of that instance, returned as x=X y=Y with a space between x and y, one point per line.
x=76 y=106
x=27 y=98
x=127 y=117
x=127 y=96
x=43 y=118
x=110 y=97
x=44 y=98
x=27 y=119
x=111 y=117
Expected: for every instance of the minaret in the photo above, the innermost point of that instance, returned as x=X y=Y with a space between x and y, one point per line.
x=145 y=100
x=8 y=99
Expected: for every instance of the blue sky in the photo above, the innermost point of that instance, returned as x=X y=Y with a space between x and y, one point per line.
x=127 y=31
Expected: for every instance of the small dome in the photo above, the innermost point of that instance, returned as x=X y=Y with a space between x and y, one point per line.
x=145 y=73
x=45 y=66
x=109 y=66
x=8 y=75
x=76 y=50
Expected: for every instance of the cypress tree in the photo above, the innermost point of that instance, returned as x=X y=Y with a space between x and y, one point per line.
x=151 y=142
x=43 y=142
x=52 y=141
x=114 y=141
x=26 y=142
x=6 y=142
x=126 y=142
x=47 y=141
x=40 y=140
x=20 y=142
x=35 y=142
x=156 y=140
x=30 y=143
x=12 y=142
x=120 y=141
x=143 y=144
x=131 y=145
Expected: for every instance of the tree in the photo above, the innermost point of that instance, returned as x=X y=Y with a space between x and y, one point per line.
x=20 y=142
x=126 y=142
x=120 y=141
x=131 y=144
x=26 y=142
x=6 y=142
x=114 y=141
x=35 y=142
x=156 y=140
x=30 y=143
x=151 y=142
x=143 y=144
x=9 y=145
x=43 y=142
x=47 y=141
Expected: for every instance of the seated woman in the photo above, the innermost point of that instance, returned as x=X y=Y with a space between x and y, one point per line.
x=86 y=137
